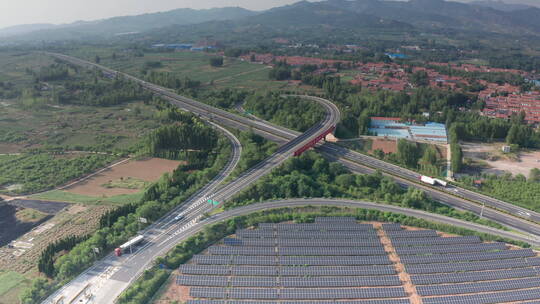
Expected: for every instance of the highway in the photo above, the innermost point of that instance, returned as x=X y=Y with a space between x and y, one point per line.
x=98 y=280
x=105 y=280
x=108 y=277
x=281 y=135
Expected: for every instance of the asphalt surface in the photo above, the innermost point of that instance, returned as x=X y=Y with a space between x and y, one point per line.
x=111 y=275
x=281 y=134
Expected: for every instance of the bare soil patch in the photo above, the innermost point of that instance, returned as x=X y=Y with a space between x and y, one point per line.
x=386 y=145
x=500 y=163
x=147 y=170
x=9 y=148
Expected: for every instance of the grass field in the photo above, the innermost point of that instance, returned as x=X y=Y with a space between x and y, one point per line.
x=8 y=280
x=32 y=173
x=13 y=66
x=195 y=65
x=30 y=215
x=75 y=127
x=70 y=126
x=11 y=283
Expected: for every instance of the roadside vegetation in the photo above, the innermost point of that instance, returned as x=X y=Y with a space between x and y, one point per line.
x=120 y=224
x=144 y=288
x=516 y=189
x=255 y=149
x=292 y=112
x=312 y=176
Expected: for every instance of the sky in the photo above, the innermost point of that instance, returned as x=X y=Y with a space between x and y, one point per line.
x=15 y=12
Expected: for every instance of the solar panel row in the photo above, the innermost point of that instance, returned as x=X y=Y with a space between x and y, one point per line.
x=478 y=287
x=347 y=226
x=296 y=293
x=450 y=248
x=472 y=266
x=287 y=271
x=298 y=282
x=477 y=256
x=487 y=298
x=290 y=260
x=271 y=242
x=313 y=251
x=475 y=276
x=392 y=234
x=306 y=234
x=393 y=226
x=287 y=282
x=435 y=241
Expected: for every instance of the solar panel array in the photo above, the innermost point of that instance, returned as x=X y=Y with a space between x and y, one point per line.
x=336 y=260
x=464 y=270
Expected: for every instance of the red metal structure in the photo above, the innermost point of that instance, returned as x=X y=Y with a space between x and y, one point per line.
x=313 y=142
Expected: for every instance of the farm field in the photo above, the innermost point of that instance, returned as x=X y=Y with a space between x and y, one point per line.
x=195 y=65
x=127 y=178
x=74 y=127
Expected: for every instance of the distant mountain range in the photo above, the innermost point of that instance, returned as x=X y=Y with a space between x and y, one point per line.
x=422 y=15
x=501 y=6
x=126 y=24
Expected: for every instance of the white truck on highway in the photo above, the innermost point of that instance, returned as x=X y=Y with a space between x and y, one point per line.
x=129 y=244
x=433 y=181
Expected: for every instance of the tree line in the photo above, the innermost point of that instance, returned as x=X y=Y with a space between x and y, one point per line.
x=47 y=257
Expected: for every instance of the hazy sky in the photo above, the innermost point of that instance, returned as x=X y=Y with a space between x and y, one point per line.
x=14 y=12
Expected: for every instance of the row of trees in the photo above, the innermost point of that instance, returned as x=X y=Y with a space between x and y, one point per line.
x=171 y=81
x=470 y=126
x=47 y=257
x=179 y=139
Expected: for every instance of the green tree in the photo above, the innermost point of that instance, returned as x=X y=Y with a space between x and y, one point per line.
x=457 y=157
x=216 y=61
x=408 y=153
x=534 y=175
x=420 y=79
x=364 y=122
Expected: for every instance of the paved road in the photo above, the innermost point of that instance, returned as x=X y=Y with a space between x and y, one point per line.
x=117 y=273
x=172 y=238
x=106 y=280
x=281 y=134
x=98 y=280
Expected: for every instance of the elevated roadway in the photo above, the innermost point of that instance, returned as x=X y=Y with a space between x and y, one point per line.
x=112 y=275
x=105 y=280
x=508 y=214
